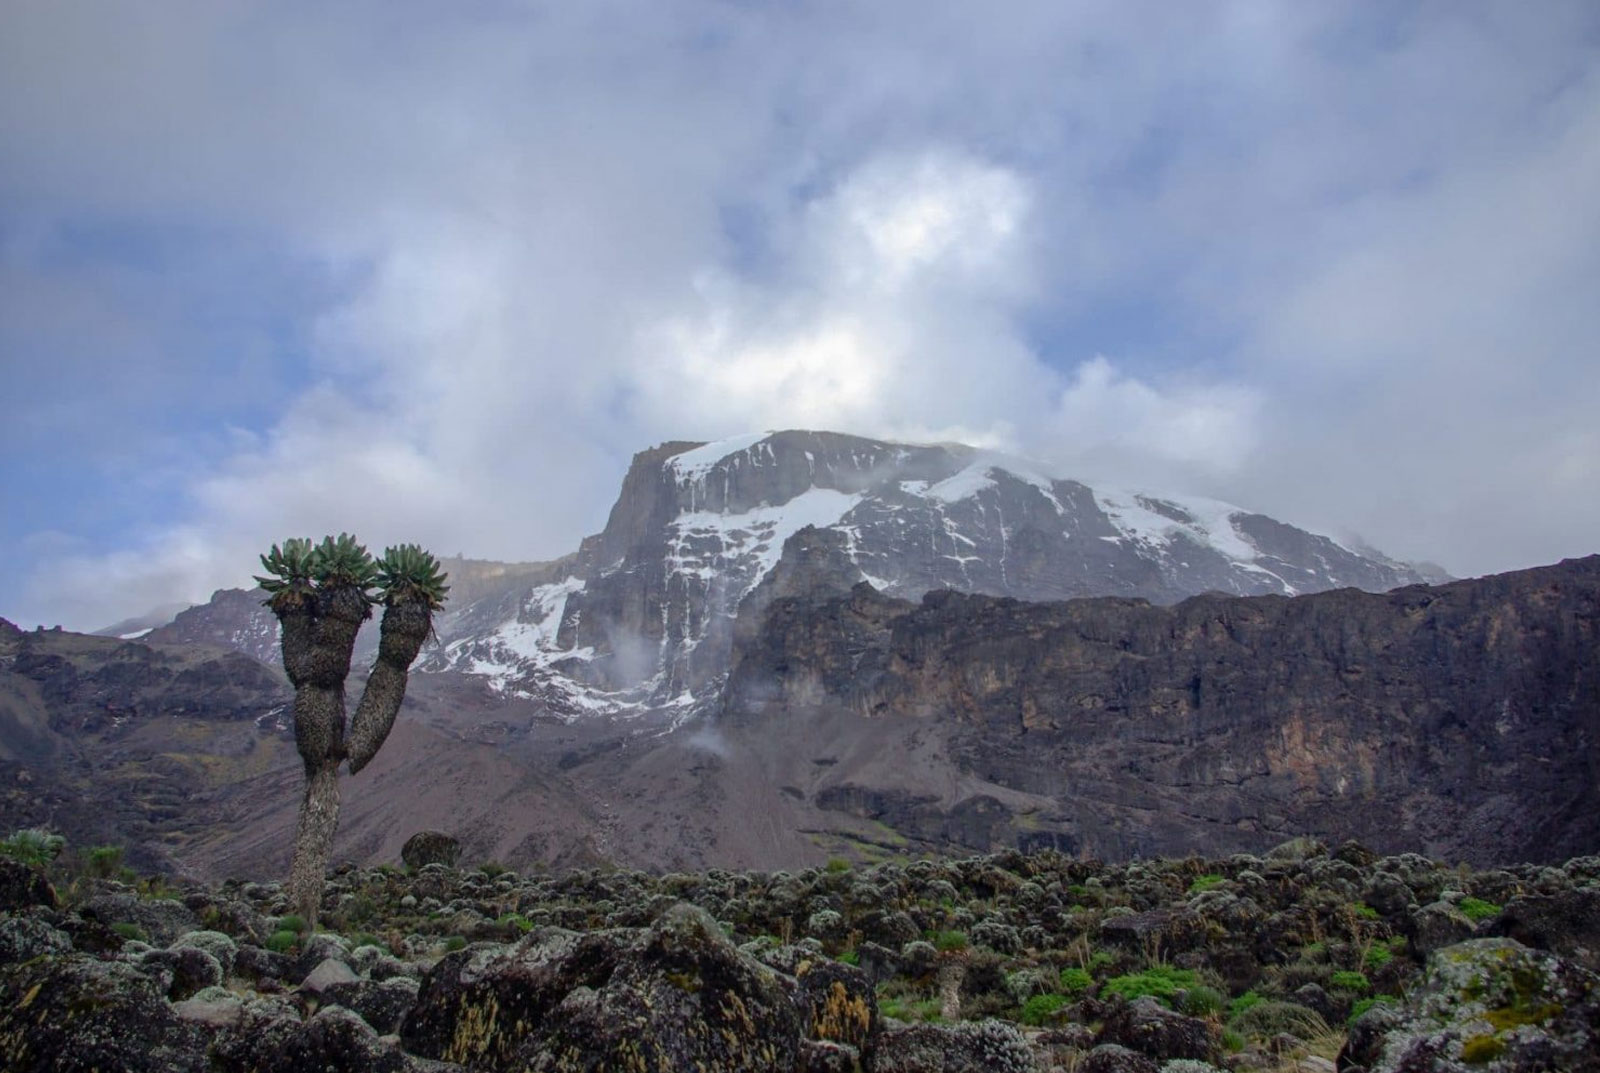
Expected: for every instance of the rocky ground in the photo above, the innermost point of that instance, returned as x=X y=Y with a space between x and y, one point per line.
x=1305 y=959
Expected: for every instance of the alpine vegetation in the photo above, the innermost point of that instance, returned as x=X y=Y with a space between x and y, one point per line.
x=321 y=594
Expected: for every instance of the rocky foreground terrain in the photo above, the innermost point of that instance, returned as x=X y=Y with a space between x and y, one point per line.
x=1300 y=960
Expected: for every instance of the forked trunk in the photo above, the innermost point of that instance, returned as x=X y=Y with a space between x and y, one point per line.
x=313 y=839
x=319 y=725
x=405 y=626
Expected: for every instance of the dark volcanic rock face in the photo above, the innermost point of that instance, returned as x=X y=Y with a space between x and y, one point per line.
x=1462 y=719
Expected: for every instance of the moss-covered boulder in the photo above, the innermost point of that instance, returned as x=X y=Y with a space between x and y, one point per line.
x=1490 y=1005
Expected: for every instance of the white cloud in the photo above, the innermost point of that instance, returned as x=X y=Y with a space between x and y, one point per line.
x=1338 y=261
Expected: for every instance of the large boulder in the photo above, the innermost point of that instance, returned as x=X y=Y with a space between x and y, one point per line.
x=23 y=885
x=1566 y=923
x=74 y=1012
x=1146 y=1026
x=966 y=1047
x=430 y=847
x=675 y=995
x=1487 y=1005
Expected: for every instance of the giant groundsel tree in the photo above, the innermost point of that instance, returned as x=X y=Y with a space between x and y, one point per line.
x=321 y=594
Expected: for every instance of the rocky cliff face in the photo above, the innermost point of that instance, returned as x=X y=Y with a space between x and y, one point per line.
x=1461 y=719
x=643 y=616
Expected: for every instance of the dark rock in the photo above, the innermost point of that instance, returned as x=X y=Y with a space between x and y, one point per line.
x=825 y=1056
x=430 y=847
x=1567 y=924
x=23 y=885
x=1388 y=894
x=76 y=1013
x=1173 y=930
x=1110 y=1058
x=1436 y=926
x=382 y=1004
x=161 y=919
x=183 y=970
x=333 y=1040
x=1146 y=1026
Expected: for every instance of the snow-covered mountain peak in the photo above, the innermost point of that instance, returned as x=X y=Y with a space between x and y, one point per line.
x=643 y=618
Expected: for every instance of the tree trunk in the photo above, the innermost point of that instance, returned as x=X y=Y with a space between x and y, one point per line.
x=313 y=839
x=405 y=626
x=319 y=725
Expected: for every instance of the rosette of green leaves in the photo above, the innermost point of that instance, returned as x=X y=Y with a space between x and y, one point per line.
x=408 y=574
x=343 y=562
x=290 y=570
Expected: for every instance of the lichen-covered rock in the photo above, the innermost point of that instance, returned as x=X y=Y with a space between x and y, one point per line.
x=836 y=1002
x=77 y=1013
x=162 y=919
x=967 y=1047
x=1111 y=1058
x=25 y=938
x=1490 y=1005
x=383 y=1004
x=1146 y=1026
x=677 y=995
x=333 y=1040
x=430 y=847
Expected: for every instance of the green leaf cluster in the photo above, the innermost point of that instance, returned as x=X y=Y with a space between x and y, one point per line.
x=404 y=573
x=1162 y=982
x=32 y=845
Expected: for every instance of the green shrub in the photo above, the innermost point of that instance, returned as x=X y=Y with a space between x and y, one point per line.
x=1076 y=981
x=1232 y=1042
x=130 y=932
x=493 y=869
x=1346 y=980
x=836 y=865
x=1206 y=882
x=1269 y=1018
x=1243 y=1003
x=1377 y=957
x=949 y=940
x=282 y=941
x=850 y=957
x=293 y=922
x=33 y=845
x=1476 y=909
x=1201 y=1001
x=1038 y=1009
x=366 y=938
x=103 y=862
x=1161 y=982
x=1364 y=911
x=454 y=943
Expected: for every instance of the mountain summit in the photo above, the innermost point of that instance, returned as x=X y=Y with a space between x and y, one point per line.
x=641 y=617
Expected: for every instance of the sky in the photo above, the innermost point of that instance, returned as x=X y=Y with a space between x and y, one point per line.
x=433 y=271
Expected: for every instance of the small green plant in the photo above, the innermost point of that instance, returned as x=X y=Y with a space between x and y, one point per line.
x=836 y=865
x=1076 y=981
x=1038 y=1009
x=454 y=943
x=1232 y=1042
x=366 y=938
x=1364 y=911
x=1201 y=1001
x=1160 y=982
x=293 y=922
x=1101 y=959
x=1345 y=980
x=493 y=869
x=282 y=941
x=850 y=957
x=948 y=941
x=516 y=920
x=1476 y=909
x=1242 y=1003
x=32 y=845
x=130 y=932
x=1377 y=957
x=1363 y=1005
x=1206 y=882
x=103 y=862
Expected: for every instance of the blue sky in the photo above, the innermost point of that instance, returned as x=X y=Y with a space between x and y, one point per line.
x=434 y=272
